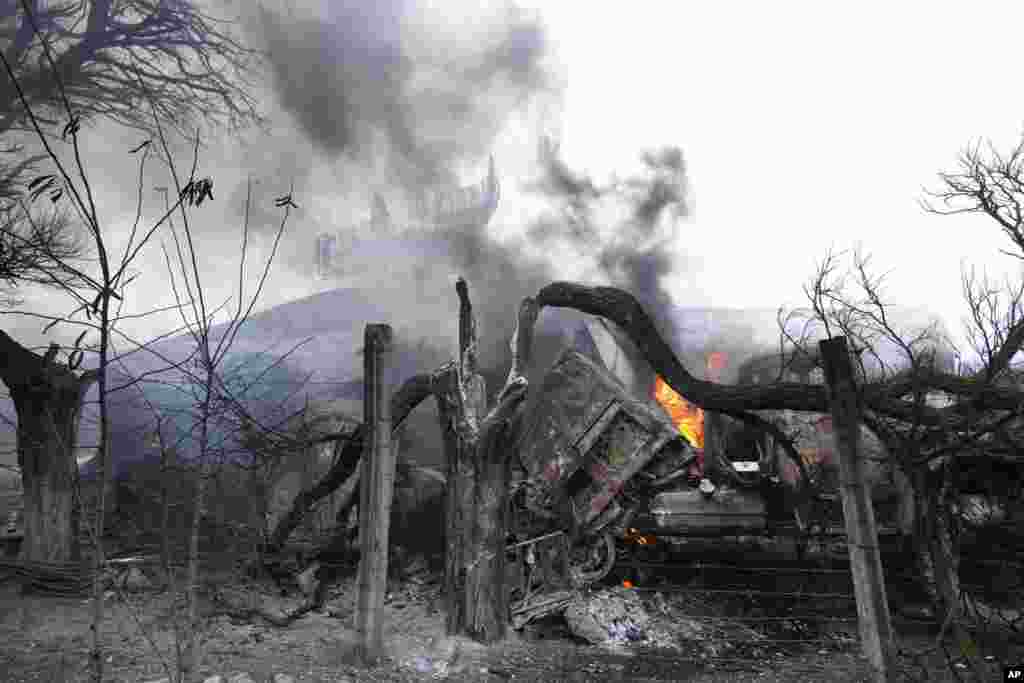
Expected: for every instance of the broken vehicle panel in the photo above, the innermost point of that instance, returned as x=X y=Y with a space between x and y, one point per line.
x=603 y=459
x=693 y=512
x=584 y=439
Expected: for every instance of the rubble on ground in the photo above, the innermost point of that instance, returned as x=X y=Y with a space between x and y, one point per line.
x=135 y=581
x=618 y=617
x=614 y=615
x=242 y=677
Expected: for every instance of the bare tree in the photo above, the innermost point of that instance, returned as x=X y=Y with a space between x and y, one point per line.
x=210 y=392
x=115 y=59
x=87 y=78
x=91 y=60
x=48 y=395
x=103 y=59
x=31 y=246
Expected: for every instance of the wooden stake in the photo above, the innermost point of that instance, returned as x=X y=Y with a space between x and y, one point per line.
x=861 y=535
x=378 y=482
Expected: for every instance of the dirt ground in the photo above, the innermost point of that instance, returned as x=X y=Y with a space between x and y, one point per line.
x=45 y=638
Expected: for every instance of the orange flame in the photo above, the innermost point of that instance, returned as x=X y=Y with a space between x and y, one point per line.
x=634 y=536
x=627 y=583
x=686 y=416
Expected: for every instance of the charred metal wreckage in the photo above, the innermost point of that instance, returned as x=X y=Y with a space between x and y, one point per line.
x=598 y=467
x=603 y=466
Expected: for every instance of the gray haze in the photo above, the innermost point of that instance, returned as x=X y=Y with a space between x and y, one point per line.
x=392 y=98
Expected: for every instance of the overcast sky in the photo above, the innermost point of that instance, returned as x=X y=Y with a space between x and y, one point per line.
x=803 y=127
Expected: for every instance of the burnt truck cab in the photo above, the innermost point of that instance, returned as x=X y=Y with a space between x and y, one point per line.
x=600 y=467
x=607 y=463
x=604 y=464
x=586 y=444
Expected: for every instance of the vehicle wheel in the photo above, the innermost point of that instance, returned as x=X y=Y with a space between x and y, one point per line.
x=592 y=560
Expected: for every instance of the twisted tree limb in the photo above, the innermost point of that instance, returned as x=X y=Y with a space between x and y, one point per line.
x=412 y=392
x=884 y=398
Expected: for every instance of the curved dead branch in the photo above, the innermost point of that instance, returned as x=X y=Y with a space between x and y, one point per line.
x=412 y=392
x=884 y=398
x=242 y=610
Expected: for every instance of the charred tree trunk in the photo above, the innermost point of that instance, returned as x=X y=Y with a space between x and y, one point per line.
x=460 y=449
x=932 y=544
x=479 y=459
x=48 y=398
x=461 y=400
x=486 y=589
x=938 y=559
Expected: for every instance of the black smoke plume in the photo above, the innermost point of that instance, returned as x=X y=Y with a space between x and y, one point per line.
x=634 y=254
x=371 y=80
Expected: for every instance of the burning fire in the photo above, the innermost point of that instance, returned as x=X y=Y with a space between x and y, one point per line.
x=634 y=536
x=686 y=416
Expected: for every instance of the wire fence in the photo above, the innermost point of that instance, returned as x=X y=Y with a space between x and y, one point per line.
x=808 y=612
x=744 y=611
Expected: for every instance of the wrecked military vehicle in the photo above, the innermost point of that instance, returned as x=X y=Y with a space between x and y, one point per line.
x=602 y=468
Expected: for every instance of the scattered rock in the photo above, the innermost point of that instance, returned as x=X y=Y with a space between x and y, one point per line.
x=308 y=583
x=615 y=615
x=423 y=665
x=134 y=581
x=444 y=647
x=978 y=511
x=240 y=677
x=917 y=612
x=338 y=611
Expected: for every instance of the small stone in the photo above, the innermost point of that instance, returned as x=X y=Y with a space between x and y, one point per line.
x=423 y=665
x=240 y=677
x=283 y=678
x=611 y=615
x=444 y=647
x=308 y=583
x=135 y=581
x=214 y=679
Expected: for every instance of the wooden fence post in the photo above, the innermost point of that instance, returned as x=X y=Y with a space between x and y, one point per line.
x=376 y=490
x=861 y=534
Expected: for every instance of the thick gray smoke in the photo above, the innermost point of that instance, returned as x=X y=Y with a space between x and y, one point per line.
x=378 y=82
x=403 y=100
x=634 y=254
x=400 y=98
